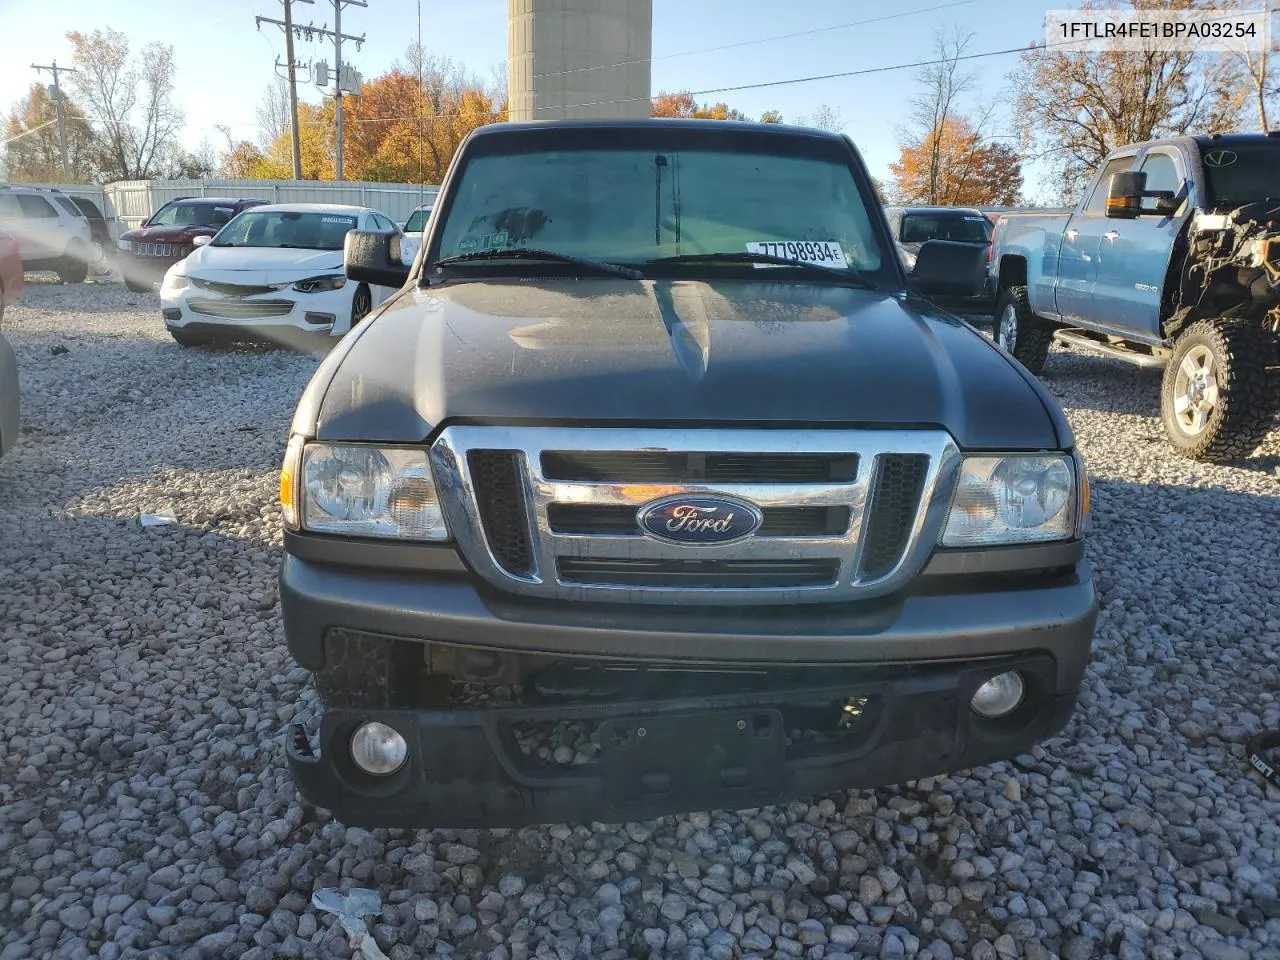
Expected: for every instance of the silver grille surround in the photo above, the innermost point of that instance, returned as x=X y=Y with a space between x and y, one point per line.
x=458 y=497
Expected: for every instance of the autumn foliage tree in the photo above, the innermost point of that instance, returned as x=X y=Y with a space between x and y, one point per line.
x=34 y=154
x=1078 y=106
x=404 y=127
x=683 y=104
x=955 y=167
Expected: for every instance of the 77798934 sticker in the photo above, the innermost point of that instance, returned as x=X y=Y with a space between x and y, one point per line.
x=827 y=253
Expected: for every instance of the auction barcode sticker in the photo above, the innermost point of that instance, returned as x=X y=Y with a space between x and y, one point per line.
x=827 y=253
x=1149 y=30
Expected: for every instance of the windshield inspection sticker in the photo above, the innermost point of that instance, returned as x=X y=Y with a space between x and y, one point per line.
x=344 y=220
x=827 y=253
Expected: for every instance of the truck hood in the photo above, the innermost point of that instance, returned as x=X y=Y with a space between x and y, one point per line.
x=673 y=352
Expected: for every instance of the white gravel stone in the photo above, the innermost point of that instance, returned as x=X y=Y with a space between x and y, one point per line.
x=146 y=811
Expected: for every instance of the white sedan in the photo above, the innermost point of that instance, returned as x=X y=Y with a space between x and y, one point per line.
x=273 y=274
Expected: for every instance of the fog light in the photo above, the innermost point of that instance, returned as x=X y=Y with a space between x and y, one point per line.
x=378 y=749
x=999 y=696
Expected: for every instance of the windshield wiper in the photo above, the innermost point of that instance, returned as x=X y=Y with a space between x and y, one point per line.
x=549 y=256
x=844 y=276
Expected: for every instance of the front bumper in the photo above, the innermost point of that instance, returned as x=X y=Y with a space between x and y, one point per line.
x=311 y=322
x=915 y=660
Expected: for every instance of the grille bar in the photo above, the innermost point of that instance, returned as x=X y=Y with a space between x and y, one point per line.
x=700 y=574
x=546 y=512
x=644 y=466
x=616 y=520
x=240 y=309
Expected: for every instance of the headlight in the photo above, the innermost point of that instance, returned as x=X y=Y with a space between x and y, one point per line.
x=124 y=244
x=323 y=284
x=1020 y=499
x=174 y=279
x=360 y=491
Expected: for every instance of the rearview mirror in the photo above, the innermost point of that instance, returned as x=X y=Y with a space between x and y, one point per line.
x=1124 y=195
x=947 y=268
x=200 y=241
x=373 y=256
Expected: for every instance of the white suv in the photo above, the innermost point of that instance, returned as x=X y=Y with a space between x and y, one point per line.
x=52 y=233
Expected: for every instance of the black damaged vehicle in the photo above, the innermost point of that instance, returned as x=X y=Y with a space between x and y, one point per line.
x=659 y=487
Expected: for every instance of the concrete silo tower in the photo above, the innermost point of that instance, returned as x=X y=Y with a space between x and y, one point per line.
x=564 y=54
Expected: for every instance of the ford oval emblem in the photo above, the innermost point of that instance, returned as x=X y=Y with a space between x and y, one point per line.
x=699 y=520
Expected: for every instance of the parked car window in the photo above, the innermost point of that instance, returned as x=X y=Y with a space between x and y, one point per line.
x=1098 y=200
x=284 y=228
x=960 y=227
x=37 y=207
x=635 y=204
x=66 y=204
x=1242 y=173
x=179 y=214
x=383 y=223
x=9 y=209
x=417 y=220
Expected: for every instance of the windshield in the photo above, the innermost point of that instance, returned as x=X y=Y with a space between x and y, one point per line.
x=635 y=205
x=1242 y=173
x=283 y=228
x=182 y=214
x=960 y=227
x=416 y=221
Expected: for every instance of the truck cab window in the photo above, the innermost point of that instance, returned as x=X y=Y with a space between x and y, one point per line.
x=1162 y=174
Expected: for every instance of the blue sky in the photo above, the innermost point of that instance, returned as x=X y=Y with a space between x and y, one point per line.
x=224 y=63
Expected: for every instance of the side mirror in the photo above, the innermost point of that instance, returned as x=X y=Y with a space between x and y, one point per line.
x=200 y=241
x=947 y=268
x=373 y=256
x=1124 y=195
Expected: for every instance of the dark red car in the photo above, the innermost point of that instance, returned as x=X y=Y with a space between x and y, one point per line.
x=10 y=270
x=147 y=252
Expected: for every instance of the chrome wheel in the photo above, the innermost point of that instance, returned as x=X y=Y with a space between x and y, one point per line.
x=361 y=304
x=1195 y=390
x=1007 y=336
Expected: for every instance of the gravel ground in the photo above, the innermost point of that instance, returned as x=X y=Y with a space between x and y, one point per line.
x=145 y=809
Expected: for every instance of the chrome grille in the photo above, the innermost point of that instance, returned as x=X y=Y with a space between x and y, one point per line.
x=236 y=289
x=159 y=249
x=551 y=512
x=240 y=309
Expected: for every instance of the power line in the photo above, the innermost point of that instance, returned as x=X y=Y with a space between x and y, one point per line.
x=748 y=43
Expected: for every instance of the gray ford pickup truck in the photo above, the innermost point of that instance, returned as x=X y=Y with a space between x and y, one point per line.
x=658 y=486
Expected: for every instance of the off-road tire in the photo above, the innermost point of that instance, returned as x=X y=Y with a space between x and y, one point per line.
x=1246 y=396
x=74 y=266
x=1031 y=335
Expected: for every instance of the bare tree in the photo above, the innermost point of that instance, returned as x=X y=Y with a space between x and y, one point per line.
x=1259 y=67
x=936 y=109
x=825 y=117
x=273 y=113
x=132 y=99
x=1076 y=107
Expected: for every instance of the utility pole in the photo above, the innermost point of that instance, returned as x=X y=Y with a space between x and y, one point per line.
x=57 y=105
x=310 y=32
x=337 y=68
x=287 y=26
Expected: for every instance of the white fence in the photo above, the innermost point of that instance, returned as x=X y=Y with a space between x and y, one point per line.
x=127 y=203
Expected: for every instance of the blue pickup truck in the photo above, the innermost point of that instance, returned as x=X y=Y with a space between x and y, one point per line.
x=1170 y=260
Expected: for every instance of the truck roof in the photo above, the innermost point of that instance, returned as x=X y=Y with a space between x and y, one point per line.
x=731 y=128
x=1203 y=140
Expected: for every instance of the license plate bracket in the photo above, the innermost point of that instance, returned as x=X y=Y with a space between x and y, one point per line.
x=694 y=760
